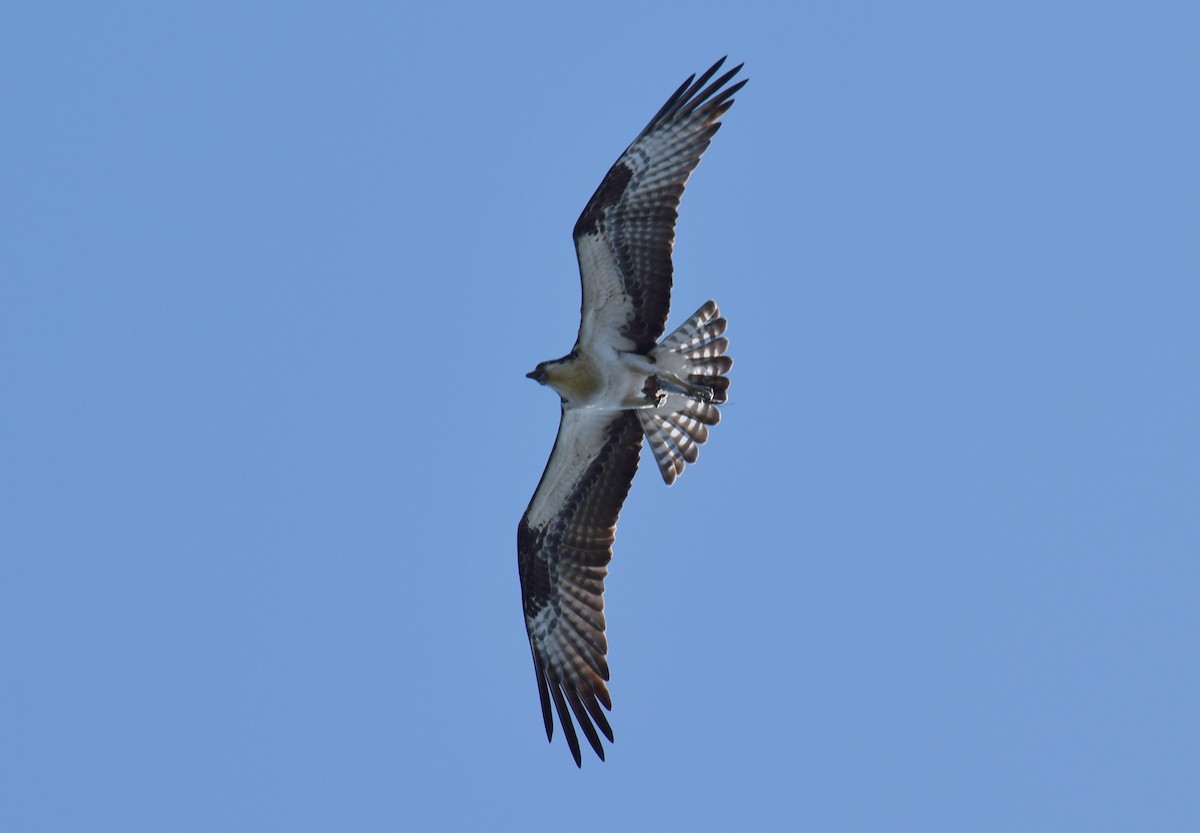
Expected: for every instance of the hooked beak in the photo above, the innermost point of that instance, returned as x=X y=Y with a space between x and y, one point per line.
x=538 y=374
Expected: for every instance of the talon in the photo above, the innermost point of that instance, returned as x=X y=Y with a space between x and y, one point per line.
x=654 y=394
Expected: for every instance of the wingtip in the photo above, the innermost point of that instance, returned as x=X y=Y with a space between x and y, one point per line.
x=721 y=62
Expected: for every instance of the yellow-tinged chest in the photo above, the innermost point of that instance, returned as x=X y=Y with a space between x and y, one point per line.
x=578 y=379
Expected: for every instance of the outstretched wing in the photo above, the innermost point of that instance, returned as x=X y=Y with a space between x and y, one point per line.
x=564 y=544
x=624 y=236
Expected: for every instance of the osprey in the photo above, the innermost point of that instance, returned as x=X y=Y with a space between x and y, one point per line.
x=617 y=385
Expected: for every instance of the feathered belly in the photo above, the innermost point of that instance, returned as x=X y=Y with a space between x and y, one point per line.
x=605 y=383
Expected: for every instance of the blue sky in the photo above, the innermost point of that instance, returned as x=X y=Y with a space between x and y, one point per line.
x=273 y=275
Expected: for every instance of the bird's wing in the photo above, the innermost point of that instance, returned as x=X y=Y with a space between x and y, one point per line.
x=624 y=236
x=564 y=544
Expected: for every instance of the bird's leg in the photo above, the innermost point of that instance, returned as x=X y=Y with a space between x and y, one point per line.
x=702 y=392
x=655 y=396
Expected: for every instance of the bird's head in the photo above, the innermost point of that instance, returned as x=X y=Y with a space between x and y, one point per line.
x=539 y=374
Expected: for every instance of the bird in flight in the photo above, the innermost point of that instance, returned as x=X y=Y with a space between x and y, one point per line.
x=618 y=384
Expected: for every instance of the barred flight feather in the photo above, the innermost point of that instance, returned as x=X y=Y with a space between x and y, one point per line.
x=694 y=351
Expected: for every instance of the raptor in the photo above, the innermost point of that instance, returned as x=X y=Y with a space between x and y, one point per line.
x=618 y=384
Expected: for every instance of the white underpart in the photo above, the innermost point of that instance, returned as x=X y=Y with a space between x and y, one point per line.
x=605 y=304
x=583 y=430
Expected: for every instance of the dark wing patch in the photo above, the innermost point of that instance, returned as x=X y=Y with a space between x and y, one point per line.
x=563 y=561
x=625 y=234
x=611 y=189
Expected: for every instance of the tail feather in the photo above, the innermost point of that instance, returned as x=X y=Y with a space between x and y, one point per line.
x=693 y=367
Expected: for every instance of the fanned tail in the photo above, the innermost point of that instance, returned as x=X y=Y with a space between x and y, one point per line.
x=692 y=365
